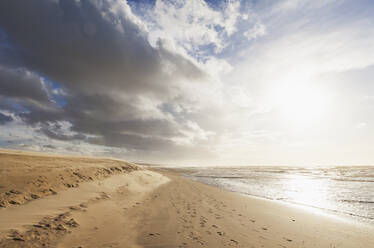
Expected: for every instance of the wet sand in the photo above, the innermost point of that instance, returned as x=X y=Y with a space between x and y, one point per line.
x=143 y=208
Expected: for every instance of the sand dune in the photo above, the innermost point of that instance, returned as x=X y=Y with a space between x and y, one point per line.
x=133 y=207
x=26 y=176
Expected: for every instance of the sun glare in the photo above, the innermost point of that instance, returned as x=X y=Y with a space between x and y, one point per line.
x=306 y=190
x=300 y=104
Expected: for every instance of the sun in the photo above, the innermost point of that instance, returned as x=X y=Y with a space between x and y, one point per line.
x=300 y=104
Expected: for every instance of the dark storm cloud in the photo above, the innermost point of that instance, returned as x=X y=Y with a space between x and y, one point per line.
x=22 y=84
x=54 y=131
x=115 y=53
x=114 y=80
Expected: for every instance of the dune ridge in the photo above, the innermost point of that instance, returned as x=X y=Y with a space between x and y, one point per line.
x=26 y=176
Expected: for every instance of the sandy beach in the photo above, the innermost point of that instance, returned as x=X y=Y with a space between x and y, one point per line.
x=62 y=201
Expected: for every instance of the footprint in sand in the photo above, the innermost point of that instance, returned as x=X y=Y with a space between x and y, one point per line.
x=287 y=239
x=264 y=228
x=154 y=234
x=83 y=205
x=234 y=241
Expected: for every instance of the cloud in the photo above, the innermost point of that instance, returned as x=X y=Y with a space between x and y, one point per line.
x=5 y=119
x=287 y=6
x=114 y=82
x=256 y=31
x=298 y=54
x=21 y=84
x=194 y=25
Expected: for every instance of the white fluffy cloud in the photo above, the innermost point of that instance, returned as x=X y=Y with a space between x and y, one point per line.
x=194 y=24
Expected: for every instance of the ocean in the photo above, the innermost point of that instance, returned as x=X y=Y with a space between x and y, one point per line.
x=343 y=190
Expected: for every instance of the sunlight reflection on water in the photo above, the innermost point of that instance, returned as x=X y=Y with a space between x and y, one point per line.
x=306 y=190
x=345 y=190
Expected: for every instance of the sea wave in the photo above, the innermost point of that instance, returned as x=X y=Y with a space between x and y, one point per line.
x=345 y=190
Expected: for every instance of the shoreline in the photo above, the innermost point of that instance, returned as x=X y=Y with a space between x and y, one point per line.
x=325 y=211
x=333 y=210
x=152 y=208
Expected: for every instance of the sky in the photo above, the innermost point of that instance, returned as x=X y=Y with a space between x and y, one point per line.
x=190 y=82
